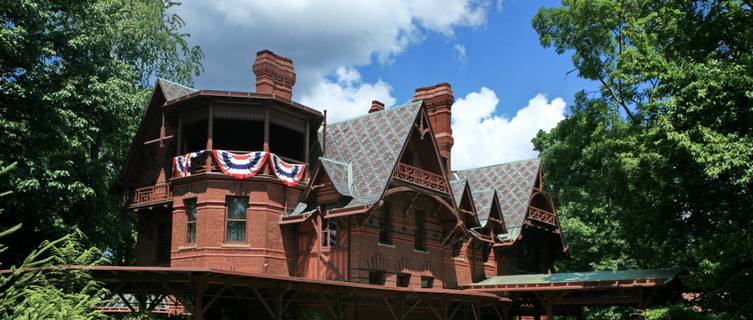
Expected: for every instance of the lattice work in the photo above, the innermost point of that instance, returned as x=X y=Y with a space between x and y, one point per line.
x=151 y=195
x=542 y=216
x=421 y=178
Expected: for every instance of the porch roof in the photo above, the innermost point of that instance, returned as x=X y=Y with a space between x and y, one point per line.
x=579 y=280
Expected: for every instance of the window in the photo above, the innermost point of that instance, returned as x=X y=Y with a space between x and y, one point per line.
x=190 y=220
x=376 y=277
x=427 y=282
x=385 y=231
x=329 y=234
x=419 y=236
x=403 y=280
x=236 y=219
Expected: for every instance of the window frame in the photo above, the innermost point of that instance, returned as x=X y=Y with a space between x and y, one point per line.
x=405 y=277
x=188 y=204
x=384 y=225
x=379 y=276
x=419 y=232
x=427 y=282
x=328 y=233
x=229 y=220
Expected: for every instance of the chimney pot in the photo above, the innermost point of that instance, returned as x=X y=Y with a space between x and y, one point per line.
x=376 y=106
x=275 y=74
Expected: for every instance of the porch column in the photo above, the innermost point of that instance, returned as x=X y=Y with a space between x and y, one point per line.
x=210 y=131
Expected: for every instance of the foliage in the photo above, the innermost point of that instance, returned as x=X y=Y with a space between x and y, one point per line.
x=655 y=168
x=74 y=77
x=35 y=290
x=675 y=312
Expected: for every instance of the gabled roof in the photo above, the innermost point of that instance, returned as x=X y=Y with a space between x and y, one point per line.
x=172 y=90
x=483 y=199
x=341 y=175
x=458 y=187
x=514 y=183
x=371 y=144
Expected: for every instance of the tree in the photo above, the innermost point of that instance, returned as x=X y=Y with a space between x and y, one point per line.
x=656 y=168
x=74 y=77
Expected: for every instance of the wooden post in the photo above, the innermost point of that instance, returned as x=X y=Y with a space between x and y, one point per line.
x=266 y=136
x=278 y=305
x=306 y=143
x=179 y=136
x=198 y=306
x=210 y=134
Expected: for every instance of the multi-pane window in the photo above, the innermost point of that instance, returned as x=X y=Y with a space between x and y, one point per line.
x=236 y=218
x=376 y=277
x=427 y=282
x=403 y=280
x=385 y=231
x=190 y=220
x=420 y=234
x=329 y=234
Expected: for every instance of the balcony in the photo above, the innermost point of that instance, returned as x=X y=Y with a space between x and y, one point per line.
x=421 y=178
x=199 y=165
x=543 y=216
x=150 y=195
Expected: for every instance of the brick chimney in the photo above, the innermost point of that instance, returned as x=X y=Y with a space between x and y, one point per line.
x=438 y=100
x=376 y=106
x=275 y=74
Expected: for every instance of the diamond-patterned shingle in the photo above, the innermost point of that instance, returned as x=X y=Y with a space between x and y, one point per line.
x=458 y=186
x=483 y=200
x=514 y=183
x=340 y=174
x=173 y=90
x=371 y=144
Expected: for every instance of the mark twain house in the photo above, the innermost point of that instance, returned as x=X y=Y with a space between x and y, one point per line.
x=253 y=206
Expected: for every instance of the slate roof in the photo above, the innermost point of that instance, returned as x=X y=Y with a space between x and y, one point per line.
x=173 y=90
x=341 y=175
x=608 y=276
x=483 y=200
x=371 y=144
x=458 y=186
x=514 y=183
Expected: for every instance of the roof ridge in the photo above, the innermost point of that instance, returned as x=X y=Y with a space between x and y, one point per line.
x=335 y=161
x=177 y=84
x=395 y=108
x=498 y=164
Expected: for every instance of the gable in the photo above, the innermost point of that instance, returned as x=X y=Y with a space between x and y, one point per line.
x=371 y=144
x=514 y=182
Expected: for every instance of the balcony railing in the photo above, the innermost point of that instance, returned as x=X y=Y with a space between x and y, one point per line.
x=150 y=195
x=199 y=165
x=421 y=177
x=542 y=216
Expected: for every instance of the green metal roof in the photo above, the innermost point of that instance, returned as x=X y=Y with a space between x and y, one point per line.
x=595 y=276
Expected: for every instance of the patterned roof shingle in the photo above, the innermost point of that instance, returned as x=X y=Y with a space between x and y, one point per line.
x=173 y=90
x=340 y=174
x=371 y=144
x=514 y=183
x=458 y=186
x=483 y=200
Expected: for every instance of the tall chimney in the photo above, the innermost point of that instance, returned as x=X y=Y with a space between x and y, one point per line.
x=438 y=101
x=275 y=74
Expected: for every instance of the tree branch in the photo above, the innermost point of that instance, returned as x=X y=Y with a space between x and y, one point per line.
x=617 y=98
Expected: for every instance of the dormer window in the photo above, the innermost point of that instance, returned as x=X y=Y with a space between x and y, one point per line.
x=329 y=234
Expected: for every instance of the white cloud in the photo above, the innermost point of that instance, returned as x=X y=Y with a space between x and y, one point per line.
x=319 y=36
x=459 y=49
x=482 y=138
x=347 y=96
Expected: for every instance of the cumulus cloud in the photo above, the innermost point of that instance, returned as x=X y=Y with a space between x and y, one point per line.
x=347 y=96
x=483 y=138
x=319 y=36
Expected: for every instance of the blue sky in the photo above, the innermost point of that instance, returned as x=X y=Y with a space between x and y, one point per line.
x=349 y=52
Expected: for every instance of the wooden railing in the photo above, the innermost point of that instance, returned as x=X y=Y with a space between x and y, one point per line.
x=421 y=177
x=542 y=216
x=198 y=164
x=150 y=195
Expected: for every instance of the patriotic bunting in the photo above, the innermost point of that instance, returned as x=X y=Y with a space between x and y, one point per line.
x=240 y=166
x=289 y=174
x=182 y=164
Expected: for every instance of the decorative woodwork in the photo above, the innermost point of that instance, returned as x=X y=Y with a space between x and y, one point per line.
x=421 y=177
x=150 y=195
x=542 y=216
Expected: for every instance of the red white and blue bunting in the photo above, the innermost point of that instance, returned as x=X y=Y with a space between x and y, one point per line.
x=182 y=164
x=289 y=174
x=240 y=166
x=243 y=165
